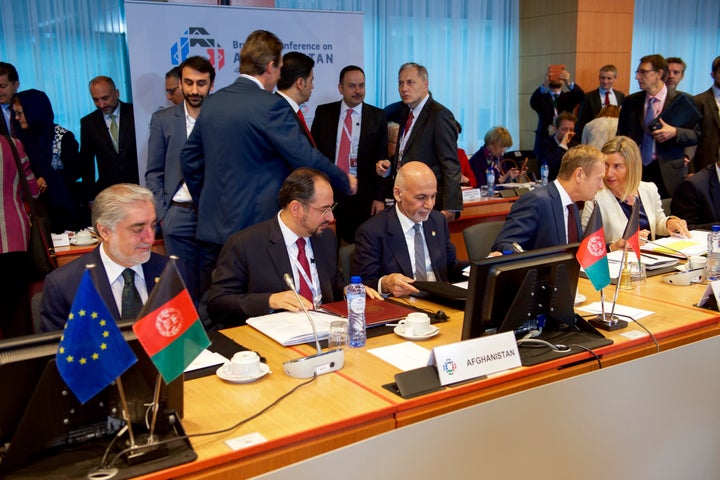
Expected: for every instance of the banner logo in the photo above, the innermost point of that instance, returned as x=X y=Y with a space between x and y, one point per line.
x=197 y=41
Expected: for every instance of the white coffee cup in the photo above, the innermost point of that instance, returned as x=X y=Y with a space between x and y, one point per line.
x=415 y=324
x=696 y=262
x=243 y=364
x=83 y=236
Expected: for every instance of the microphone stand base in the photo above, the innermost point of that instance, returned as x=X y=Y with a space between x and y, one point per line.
x=318 y=364
x=608 y=323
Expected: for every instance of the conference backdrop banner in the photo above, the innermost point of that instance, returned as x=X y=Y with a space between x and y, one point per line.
x=162 y=35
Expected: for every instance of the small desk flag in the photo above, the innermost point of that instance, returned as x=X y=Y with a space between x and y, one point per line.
x=92 y=351
x=169 y=327
x=592 y=253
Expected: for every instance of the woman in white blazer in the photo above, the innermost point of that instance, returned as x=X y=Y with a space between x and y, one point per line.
x=623 y=187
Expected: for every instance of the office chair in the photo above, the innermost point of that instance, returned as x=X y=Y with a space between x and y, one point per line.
x=480 y=237
x=346 y=257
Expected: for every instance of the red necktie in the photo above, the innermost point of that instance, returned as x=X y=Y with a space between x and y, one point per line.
x=405 y=131
x=304 y=125
x=305 y=290
x=607 y=97
x=408 y=124
x=572 y=224
x=343 y=160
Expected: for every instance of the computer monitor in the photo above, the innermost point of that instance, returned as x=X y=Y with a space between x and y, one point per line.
x=41 y=419
x=510 y=292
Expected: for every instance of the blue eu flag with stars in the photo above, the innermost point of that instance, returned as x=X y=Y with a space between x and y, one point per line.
x=92 y=351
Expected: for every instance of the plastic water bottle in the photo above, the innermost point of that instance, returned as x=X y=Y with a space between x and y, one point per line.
x=490 y=182
x=712 y=268
x=544 y=174
x=355 y=294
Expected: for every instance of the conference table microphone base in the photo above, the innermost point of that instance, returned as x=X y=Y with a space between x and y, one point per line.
x=608 y=323
x=318 y=364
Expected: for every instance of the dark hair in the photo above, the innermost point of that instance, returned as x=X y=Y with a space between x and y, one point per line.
x=9 y=70
x=565 y=116
x=295 y=65
x=201 y=64
x=300 y=186
x=173 y=72
x=716 y=64
x=677 y=60
x=260 y=48
x=657 y=61
x=349 y=68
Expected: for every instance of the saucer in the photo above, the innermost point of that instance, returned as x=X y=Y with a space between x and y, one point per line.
x=579 y=298
x=73 y=241
x=264 y=370
x=433 y=331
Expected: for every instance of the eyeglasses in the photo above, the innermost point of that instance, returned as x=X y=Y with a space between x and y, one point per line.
x=19 y=113
x=171 y=91
x=643 y=72
x=323 y=211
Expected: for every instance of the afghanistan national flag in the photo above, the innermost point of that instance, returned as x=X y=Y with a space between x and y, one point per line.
x=92 y=351
x=592 y=253
x=632 y=229
x=169 y=327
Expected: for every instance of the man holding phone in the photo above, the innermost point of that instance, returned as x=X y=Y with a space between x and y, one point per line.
x=557 y=94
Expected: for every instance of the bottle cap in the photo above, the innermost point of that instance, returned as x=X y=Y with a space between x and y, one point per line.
x=715 y=228
x=355 y=279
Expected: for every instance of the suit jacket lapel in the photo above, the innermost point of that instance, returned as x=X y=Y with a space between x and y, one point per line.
x=714 y=190
x=396 y=241
x=277 y=251
x=558 y=213
x=419 y=124
x=712 y=107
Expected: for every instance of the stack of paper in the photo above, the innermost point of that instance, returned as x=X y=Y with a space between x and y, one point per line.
x=679 y=247
x=288 y=328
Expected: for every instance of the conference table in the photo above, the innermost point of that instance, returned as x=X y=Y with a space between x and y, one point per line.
x=349 y=405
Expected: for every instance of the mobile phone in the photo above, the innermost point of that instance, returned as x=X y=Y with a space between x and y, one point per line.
x=554 y=71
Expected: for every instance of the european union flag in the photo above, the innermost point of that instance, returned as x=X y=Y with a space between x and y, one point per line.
x=92 y=351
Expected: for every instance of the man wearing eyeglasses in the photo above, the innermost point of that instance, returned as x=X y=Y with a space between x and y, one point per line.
x=248 y=278
x=172 y=86
x=662 y=149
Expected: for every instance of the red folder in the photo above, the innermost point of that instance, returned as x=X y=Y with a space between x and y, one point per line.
x=377 y=312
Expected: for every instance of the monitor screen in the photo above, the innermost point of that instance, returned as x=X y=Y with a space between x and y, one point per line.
x=511 y=292
x=38 y=413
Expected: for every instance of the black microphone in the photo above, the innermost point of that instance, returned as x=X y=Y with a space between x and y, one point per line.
x=321 y=362
x=291 y=285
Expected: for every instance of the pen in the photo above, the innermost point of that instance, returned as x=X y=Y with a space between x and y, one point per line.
x=517 y=247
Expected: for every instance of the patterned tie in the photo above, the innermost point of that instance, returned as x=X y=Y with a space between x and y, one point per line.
x=305 y=127
x=607 y=97
x=305 y=290
x=420 y=272
x=131 y=303
x=343 y=161
x=646 y=147
x=572 y=231
x=114 y=132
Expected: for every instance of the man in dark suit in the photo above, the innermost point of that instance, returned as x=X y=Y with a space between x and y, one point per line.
x=552 y=149
x=428 y=134
x=662 y=150
x=707 y=102
x=169 y=128
x=107 y=138
x=541 y=218
x=604 y=95
x=697 y=199
x=549 y=100
x=248 y=280
x=296 y=84
x=124 y=268
x=361 y=146
x=9 y=84
x=246 y=141
x=408 y=242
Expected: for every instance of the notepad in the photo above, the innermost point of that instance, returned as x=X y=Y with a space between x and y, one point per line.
x=292 y=328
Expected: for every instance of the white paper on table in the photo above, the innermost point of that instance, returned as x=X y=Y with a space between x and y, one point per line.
x=632 y=313
x=695 y=245
x=206 y=359
x=405 y=356
x=464 y=284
